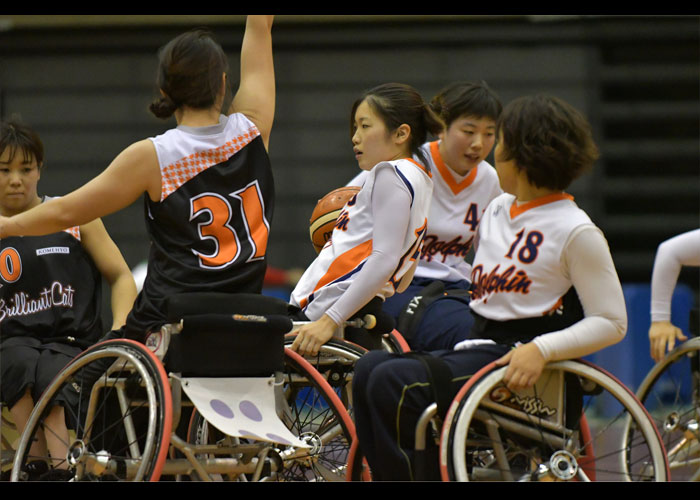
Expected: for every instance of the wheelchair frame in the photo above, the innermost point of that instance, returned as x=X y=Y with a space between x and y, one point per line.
x=490 y=433
x=671 y=394
x=146 y=454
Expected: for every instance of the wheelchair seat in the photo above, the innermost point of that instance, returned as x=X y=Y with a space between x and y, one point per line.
x=223 y=335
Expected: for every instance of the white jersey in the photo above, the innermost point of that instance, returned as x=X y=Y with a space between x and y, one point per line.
x=455 y=210
x=457 y=206
x=517 y=271
x=333 y=270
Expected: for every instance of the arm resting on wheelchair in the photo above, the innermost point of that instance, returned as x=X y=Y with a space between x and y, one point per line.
x=589 y=264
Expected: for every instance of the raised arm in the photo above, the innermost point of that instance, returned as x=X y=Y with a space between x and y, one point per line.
x=133 y=172
x=255 y=97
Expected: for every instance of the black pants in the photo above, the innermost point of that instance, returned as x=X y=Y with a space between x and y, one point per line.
x=26 y=362
x=390 y=392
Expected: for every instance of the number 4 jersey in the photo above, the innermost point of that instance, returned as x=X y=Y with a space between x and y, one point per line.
x=517 y=270
x=209 y=230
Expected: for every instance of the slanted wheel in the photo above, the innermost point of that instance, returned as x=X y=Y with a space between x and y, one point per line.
x=335 y=361
x=314 y=413
x=491 y=433
x=118 y=412
x=671 y=394
x=394 y=342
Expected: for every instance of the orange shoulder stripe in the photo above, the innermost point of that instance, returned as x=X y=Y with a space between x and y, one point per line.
x=73 y=231
x=422 y=167
x=516 y=210
x=176 y=174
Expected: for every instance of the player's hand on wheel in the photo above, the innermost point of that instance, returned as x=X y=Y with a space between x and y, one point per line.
x=311 y=337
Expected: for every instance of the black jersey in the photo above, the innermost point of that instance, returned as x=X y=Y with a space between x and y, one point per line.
x=49 y=288
x=209 y=230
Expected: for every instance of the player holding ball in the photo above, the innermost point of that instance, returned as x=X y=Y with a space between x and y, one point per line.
x=377 y=238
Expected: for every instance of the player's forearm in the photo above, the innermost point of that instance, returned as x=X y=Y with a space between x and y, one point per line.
x=123 y=294
x=45 y=218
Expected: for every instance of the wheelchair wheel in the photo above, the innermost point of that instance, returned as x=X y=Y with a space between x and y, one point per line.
x=200 y=432
x=314 y=413
x=335 y=361
x=671 y=394
x=394 y=342
x=118 y=412
x=492 y=434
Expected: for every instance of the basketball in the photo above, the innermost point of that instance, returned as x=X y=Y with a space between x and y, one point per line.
x=326 y=213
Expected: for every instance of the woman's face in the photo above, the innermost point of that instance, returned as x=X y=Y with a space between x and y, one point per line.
x=467 y=142
x=18 y=182
x=372 y=142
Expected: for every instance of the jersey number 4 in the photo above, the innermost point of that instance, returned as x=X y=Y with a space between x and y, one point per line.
x=218 y=228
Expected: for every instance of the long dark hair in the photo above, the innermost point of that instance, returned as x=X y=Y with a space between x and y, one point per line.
x=189 y=72
x=396 y=104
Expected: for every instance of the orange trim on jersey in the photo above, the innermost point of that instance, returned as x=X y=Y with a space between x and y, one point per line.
x=176 y=174
x=445 y=171
x=422 y=167
x=73 y=231
x=516 y=210
x=341 y=266
x=554 y=308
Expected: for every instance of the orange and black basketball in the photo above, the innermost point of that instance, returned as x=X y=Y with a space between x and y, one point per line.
x=326 y=213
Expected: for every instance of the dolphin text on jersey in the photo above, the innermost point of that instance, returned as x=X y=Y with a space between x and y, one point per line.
x=509 y=280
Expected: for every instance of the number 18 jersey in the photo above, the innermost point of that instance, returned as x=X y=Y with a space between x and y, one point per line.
x=517 y=271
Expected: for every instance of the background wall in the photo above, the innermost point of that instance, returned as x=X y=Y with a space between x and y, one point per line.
x=84 y=82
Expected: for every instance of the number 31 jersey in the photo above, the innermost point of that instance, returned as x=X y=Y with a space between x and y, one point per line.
x=209 y=230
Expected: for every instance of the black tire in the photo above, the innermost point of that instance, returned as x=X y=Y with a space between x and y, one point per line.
x=492 y=434
x=671 y=394
x=106 y=442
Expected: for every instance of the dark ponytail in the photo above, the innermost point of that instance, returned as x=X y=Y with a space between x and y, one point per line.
x=163 y=108
x=189 y=73
x=396 y=104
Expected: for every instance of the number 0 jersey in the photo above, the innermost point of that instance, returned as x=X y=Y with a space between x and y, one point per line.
x=517 y=271
x=49 y=288
x=336 y=266
x=209 y=230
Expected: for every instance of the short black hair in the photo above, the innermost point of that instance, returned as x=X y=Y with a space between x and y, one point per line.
x=466 y=99
x=548 y=138
x=16 y=135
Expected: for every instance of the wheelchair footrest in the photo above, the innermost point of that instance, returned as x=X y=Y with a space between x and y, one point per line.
x=241 y=407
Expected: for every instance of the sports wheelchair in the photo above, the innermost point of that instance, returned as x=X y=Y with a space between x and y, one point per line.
x=578 y=423
x=258 y=411
x=671 y=394
x=336 y=358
